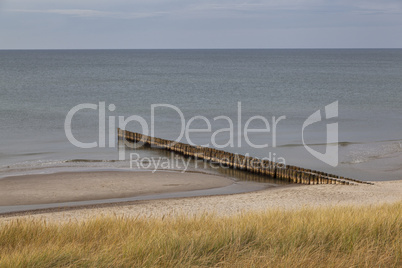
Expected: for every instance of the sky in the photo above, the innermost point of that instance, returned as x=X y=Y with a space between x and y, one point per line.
x=154 y=24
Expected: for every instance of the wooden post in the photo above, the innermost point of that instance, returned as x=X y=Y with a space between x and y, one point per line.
x=288 y=173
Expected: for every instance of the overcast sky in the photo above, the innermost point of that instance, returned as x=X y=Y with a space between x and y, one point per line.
x=70 y=24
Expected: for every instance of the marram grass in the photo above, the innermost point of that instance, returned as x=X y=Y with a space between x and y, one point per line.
x=326 y=237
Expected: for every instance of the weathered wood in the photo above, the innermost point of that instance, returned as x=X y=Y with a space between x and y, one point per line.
x=235 y=161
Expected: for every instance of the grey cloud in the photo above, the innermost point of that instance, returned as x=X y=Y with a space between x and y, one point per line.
x=145 y=9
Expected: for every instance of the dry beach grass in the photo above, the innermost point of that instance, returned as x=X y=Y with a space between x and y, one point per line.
x=368 y=236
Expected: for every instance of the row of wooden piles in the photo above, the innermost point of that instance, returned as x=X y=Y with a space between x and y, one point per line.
x=236 y=161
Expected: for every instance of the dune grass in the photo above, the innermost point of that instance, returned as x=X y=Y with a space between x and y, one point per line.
x=326 y=237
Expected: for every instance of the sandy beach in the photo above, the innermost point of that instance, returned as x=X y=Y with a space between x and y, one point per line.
x=62 y=187
x=82 y=186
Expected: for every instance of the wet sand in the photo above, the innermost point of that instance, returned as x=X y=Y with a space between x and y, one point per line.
x=83 y=186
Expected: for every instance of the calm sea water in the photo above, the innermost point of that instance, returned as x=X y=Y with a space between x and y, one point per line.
x=38 y=88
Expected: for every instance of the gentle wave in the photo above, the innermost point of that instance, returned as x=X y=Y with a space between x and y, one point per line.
x=342 y=144
x=90 y=161
x=35 y=165
x=24 y=154
x=374 y=152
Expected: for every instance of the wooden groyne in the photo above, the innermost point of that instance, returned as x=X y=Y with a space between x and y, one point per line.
x=272 y=169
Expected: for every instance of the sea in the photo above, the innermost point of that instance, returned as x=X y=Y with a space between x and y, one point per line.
x=60 y=109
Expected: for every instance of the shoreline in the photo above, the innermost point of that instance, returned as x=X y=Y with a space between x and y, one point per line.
x=282 y=198
x=80 y=195
x=74 y=190
x=85 y=186
x=112 y=205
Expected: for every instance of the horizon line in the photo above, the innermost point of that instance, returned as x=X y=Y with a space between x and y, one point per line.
x=316 y=48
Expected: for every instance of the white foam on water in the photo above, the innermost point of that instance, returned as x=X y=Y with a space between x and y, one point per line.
x=362 y=153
